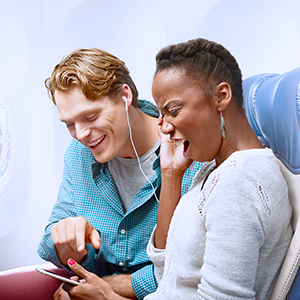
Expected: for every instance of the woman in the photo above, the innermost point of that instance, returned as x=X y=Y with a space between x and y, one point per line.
x=227 y=237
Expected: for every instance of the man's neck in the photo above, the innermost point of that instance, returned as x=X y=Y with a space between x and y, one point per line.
x=144 y=133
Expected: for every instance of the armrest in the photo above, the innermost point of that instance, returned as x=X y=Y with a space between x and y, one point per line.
x=27 y=284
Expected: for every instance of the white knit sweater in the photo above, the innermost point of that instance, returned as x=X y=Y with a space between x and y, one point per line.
x=228 y=240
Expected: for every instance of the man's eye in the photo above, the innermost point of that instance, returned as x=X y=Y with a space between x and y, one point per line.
x=91 y=117
x=70 y=125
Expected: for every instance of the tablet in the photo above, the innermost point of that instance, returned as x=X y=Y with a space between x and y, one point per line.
x=48 y=273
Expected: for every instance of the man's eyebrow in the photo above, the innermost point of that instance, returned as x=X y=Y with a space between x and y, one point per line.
x=65 y=120
x=80 y=114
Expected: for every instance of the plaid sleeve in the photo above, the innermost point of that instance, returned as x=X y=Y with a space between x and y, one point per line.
x=63 y=208
x=143 y=281
x=189 y=175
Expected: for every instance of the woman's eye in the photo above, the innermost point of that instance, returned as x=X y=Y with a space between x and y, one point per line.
x=173 y=112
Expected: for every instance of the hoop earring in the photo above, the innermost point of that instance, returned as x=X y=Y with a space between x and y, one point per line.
x=222 y=125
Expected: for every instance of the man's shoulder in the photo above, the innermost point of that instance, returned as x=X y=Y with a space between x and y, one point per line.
x=77 y=146
x=148 y=108
x=77 y=151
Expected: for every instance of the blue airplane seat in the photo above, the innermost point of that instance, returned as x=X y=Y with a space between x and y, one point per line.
x=272 y=104
x=250 y=87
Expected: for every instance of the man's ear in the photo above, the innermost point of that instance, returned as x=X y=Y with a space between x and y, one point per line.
x=224 y=95
x=126 y=92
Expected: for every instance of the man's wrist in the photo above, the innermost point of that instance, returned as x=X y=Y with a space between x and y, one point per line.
x=121 y=284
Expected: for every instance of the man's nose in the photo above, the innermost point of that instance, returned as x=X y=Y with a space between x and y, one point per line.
x=82 y=131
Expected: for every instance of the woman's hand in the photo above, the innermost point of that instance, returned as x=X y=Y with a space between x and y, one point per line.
x=173 y=165
x=92 y=288
x=60 y=294
x=171 y=153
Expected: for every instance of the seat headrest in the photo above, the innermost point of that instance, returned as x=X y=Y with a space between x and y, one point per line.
x=272 y=103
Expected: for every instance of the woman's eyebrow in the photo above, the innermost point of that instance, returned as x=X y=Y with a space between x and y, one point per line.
x=166 y=106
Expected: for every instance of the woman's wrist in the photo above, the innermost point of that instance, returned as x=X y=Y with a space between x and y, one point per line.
x=172 y=174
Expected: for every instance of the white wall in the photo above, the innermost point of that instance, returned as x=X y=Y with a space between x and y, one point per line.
x=35 y=34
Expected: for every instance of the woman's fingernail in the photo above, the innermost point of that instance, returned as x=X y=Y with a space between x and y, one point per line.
x=71 y=262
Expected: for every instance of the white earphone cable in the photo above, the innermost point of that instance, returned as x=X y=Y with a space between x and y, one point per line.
x=136 y=154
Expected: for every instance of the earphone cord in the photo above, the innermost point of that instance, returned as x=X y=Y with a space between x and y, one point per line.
x=136 y=154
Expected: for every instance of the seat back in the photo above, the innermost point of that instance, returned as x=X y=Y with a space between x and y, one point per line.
x=272 y=103
x=27 y=284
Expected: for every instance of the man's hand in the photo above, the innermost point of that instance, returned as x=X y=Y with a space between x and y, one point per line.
x=93 y=287
x=70 y=236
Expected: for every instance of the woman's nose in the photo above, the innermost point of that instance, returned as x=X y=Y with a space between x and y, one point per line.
x=166 y=127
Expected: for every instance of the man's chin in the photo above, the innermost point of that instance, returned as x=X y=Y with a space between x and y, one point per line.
x=102 y=157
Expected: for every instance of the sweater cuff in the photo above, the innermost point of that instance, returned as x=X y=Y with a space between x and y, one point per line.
x=157 y=256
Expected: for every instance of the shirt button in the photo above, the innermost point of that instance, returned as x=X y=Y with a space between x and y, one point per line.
x=121 y=264
x=123 y=231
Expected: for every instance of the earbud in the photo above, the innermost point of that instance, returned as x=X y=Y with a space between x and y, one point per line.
x=125 y=99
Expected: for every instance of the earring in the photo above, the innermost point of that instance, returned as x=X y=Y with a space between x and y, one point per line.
x=222 y=125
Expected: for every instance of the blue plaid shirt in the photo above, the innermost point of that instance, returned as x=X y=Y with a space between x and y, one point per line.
x=88 y=190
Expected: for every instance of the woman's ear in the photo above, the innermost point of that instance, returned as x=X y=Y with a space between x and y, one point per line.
x=224 y=95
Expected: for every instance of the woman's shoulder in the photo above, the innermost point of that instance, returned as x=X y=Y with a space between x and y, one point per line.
x=256 y=163
x=251 y=174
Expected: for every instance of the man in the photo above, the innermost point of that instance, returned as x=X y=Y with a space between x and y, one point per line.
x=111 y=178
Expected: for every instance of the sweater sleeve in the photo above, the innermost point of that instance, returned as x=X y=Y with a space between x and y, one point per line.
x=236 y=224
x=157 y=256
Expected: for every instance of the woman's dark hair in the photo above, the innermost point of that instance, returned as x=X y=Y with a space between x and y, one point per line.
x=205 y=60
